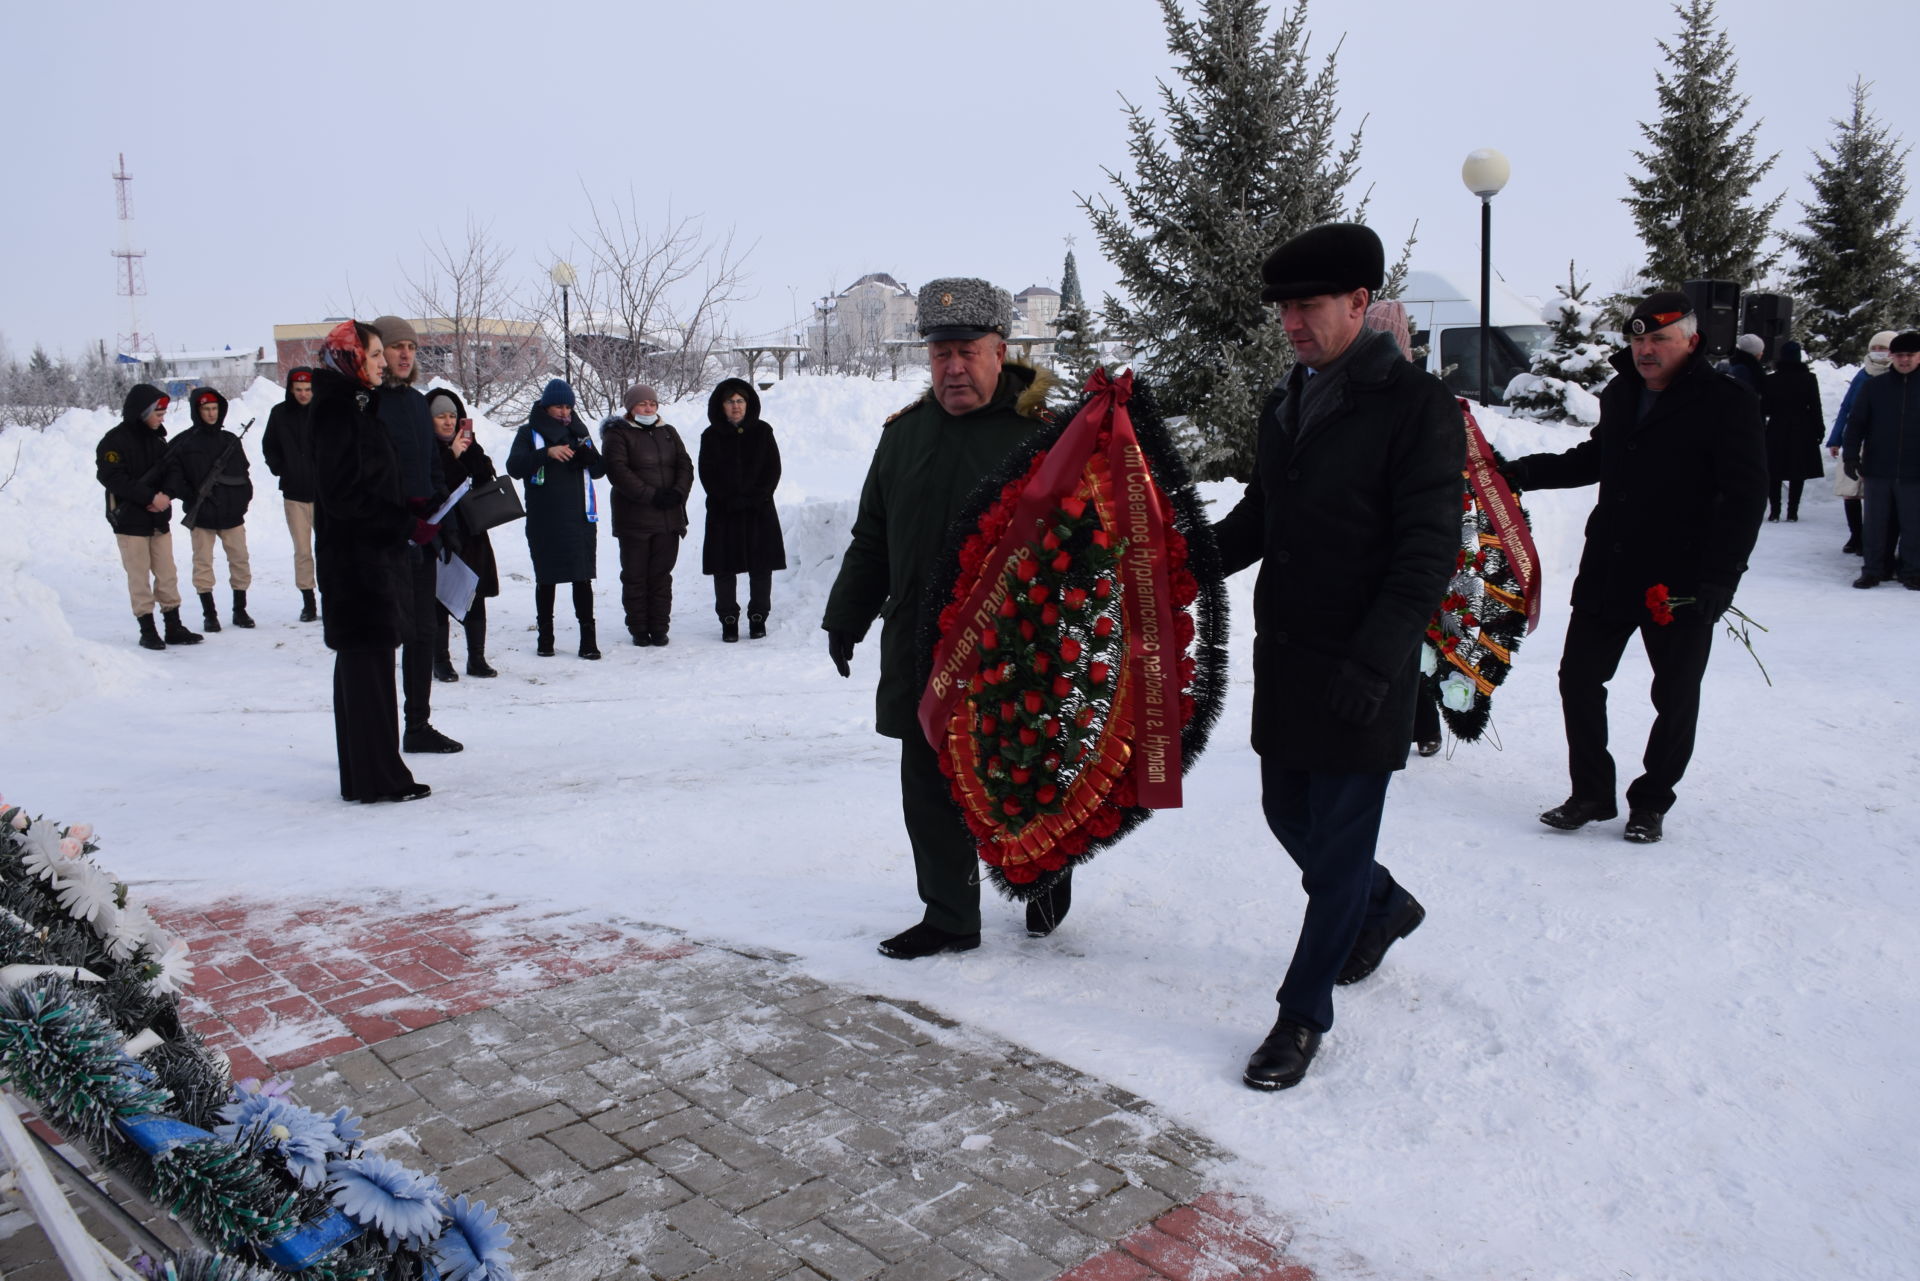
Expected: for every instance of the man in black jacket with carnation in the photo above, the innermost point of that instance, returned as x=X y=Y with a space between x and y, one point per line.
x=1680 y=455
x=1353 y=511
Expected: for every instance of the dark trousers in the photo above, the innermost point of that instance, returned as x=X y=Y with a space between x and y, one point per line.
x=414 y=576
x=1852 y=508
x=646 y=581
x=943 y=854
x=543 y=605
x=726 y=594
x=475 y=626
x=366 y=725
x=1329 y=824
x=1892 y=551
x=1793 y=498
x=1678 y=654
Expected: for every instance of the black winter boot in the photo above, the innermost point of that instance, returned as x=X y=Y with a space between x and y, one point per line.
x=583 y=612
x=443 y=668
x=177 y=633
x=756 y=626
x=309 y=608
x=589 y=646
x=729 y=628
x=240 y=616
x=209 y=616
x=543 y=619
x=149 y=634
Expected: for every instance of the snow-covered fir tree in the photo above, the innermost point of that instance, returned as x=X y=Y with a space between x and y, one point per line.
x=1852 y=276
x=1242 y=157
x=1568 y=372
x=1693 y=199
x=1075 y=349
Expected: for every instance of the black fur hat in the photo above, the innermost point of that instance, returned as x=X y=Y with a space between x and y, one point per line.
x=1333 y=258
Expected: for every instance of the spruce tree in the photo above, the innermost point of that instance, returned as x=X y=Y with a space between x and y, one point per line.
x=1244 y=156
x=1075 y=348
x=1692 y=203
x=1853 y=277
x=1566 y=373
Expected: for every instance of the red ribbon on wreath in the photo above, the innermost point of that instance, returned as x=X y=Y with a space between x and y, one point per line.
x=1503 y=509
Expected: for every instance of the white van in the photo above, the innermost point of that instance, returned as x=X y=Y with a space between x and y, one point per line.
x=1443 y=311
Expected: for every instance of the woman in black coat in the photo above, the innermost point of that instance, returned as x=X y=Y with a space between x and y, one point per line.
x=740 y=469
x=1790 y=398
x=555 y=456
x=361 y=526
x=461 y=458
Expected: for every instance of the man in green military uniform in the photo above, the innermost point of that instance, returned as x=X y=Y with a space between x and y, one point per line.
x=930 y=459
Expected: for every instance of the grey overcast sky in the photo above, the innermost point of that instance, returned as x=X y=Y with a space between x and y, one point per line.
x=289 y=159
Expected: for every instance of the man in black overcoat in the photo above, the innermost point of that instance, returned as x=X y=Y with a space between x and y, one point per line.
x=1680 y=456
x=403 y=411
x=1354 y=513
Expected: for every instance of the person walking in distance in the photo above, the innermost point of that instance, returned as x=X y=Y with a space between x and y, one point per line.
x=287 y=447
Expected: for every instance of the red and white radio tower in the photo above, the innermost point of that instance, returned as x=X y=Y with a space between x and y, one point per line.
x=133 y=276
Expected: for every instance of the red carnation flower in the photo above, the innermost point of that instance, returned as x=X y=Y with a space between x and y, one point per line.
x=1034 y=701
x=1074 y=843
x=948 y=617
x=1021 y=874
x=1075 y=508
x=1186 y=588
x=1075 y=597
x=989 y=639
x=1084 y=717
x=1097 y=673
x=1054 y=859
x=1103 y=625
x=1052 y=727
x=1037 y=594
x=1126 y=793
x=1028 y=737
x=1183 y=628
x=1045 y=793
x=1050 y=615
x=1026 y=627
x=1062 y=687
x=1051 y=542
x=1176 y=547
x=1010 y=807
x=1103 y=588
x=1009 y=607
x=1069 y=650
x=1006 y=711
x=1051 y=760
x=1026 y=570
x=1040 y=664
x=989 y=724
x=1062 y=563
x=1104 y=822
x=1020 y=774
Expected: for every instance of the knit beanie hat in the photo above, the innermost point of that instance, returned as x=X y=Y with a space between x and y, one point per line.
x=637 y=393
x=441 y=403
x=1753 y=344
x=393 y=329
x=557 y=393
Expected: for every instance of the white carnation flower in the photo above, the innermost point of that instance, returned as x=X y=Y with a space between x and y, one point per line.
x=176 y=971
x=130 y=929
x=88 y=894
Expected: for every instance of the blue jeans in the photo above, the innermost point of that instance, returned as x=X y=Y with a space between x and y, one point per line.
x=1329 y=824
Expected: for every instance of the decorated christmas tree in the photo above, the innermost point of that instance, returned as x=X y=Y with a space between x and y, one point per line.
x=1569 y=370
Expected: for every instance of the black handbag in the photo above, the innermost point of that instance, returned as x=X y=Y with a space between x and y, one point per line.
x=495 y=502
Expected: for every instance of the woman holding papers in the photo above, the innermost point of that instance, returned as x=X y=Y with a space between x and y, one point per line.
x=462 y=459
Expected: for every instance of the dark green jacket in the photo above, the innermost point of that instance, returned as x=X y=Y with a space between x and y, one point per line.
x=926 y=466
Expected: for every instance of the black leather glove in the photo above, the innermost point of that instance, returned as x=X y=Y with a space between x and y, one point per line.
x=1713 y=600
x=840 y=650
x=666 y=499
x=1356 y=694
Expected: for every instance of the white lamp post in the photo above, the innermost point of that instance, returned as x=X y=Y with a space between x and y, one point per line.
x=1485 y=172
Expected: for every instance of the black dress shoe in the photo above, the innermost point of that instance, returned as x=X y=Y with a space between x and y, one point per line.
x=425 y=738
x=1428 y=747
x=1574 y=813
x=642 y=639
x=443 y=669
x=1643 y=826
x=927 y=940
x=1283 y=1058
x=1047 y=909
x=1371 y=947
x=1868 y=580
x=1852 y=547
x=413 y=793
x=660 y=640
x=479 y=667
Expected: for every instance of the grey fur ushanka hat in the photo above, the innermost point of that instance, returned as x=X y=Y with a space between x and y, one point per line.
x=960 y=307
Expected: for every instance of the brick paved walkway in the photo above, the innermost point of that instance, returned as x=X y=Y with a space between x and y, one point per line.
x=638 y=1106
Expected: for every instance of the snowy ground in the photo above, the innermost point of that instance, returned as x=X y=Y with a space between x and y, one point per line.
x=1596 y=1059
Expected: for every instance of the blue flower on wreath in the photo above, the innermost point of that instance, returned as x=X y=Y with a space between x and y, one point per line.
x=385 y=1195
x=473 y=1248
x=303 y=1137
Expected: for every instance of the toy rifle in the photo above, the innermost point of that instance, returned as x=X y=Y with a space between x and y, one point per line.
x=214 y=474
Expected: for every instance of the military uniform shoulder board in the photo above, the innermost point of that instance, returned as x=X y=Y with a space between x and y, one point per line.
x=904 y=408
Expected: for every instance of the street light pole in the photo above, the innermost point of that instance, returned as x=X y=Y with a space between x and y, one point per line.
x=563 y=276
x=1485 y=172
